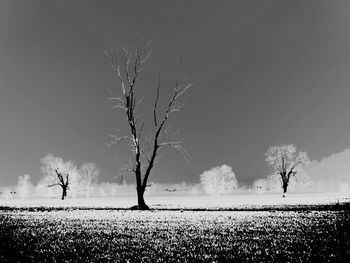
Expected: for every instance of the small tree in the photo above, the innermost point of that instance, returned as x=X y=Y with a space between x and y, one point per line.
x=56 y=172
x=128 y=64
x=89 y=174
x=219 y=180
x=286 y=162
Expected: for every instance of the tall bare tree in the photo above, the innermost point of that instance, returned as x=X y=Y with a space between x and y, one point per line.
x=127 y=64
x=286 y=162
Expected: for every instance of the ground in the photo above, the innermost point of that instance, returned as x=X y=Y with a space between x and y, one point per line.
x=253 y=229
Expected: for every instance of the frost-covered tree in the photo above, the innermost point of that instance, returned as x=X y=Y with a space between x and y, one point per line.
x=286 y=162
x=57 y=172
x=219 y=180
x=89 y=174
x=24 y=186
x=128 y=64
x=299 y=182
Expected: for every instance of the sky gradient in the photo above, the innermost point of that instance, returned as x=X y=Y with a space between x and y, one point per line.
x=264 y=73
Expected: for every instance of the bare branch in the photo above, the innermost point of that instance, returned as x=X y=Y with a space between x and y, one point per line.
x=170 y=143
x=177 y=107
x=158 y=158
x=139 y=102
x=118 y=139
x=184 y=89
x=141 y=129
x=51 y=185
x=146 y=53
x=127 y=169
x=184 y=153
x=145 y=155
x=118 y=99
x=156 y=100
x=178 y=146
x=146 y=57
x=116 y=68
x=126 y=67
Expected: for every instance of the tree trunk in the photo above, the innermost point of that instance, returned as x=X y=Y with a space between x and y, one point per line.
x=64 y=193
x=285 y=186
x=140 y=200
x=141 y=205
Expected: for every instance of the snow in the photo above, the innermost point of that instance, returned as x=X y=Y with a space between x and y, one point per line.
x=185 y=201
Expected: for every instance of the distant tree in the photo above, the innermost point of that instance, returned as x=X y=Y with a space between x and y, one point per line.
x=219 y=180
x=89 y=174
x=128 y=64
x=24 y=186
x=286 y=162
x=56 y=172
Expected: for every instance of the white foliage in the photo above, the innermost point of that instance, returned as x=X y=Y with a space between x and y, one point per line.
x=196 y=189
x=300 y=182
x=285 y=158
x=274 y=183
x=89 y=174
x=24 y=186
x=42 y=191
x=105 y=189
x=219 y=180
x=331 y=173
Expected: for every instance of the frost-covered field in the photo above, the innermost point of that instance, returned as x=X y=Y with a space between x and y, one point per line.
x=239 y=201
x=188 y=236
x=39 y=232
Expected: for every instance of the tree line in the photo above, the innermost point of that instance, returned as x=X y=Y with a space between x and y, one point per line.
x=286 y=163
x=128 y=64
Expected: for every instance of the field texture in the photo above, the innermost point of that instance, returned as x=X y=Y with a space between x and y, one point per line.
x=73 y=235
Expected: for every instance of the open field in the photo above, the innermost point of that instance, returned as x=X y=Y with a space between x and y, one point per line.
x=261 y=232
x=192 y=202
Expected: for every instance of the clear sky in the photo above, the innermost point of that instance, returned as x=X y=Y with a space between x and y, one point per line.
x=264 y=73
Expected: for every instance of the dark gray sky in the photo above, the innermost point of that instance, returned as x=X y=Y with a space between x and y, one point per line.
x=264 y=73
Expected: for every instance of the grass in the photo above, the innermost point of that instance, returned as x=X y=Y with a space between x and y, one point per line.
x=313 y=233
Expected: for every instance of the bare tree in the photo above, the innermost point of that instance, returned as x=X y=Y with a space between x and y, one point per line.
x=63 y=181
x=128 y=63
x=88 y=174
x=56 y=172
x=286 y=162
